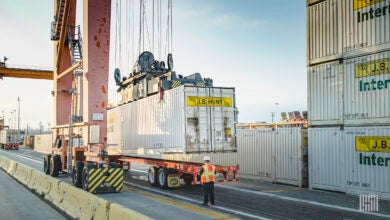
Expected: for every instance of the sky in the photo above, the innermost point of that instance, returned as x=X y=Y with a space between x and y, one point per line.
x=256 y=46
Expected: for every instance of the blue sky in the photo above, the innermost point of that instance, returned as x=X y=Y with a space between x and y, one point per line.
x=256 y=46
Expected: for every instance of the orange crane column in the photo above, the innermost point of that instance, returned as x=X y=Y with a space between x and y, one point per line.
x=96 y=47
x=62 y=99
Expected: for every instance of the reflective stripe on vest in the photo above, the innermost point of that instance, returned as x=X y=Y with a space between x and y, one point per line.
x=208 y=173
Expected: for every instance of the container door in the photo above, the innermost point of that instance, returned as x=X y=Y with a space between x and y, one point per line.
x=197 y=116
x=222 y=119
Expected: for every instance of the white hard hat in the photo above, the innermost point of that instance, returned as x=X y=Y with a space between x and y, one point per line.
x=206 y=158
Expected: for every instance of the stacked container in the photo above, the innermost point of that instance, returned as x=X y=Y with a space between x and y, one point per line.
x=348 y=58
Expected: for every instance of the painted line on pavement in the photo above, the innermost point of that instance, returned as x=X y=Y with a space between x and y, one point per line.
x=306 y=201
x=24 y=157
x=198 y=201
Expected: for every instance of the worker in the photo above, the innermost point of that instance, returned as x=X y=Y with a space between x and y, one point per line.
x=207 y=178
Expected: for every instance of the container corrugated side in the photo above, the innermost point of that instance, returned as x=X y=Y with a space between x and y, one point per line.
x=185 y=119
x=322 y=30
x=43 y=143
x=326 y=159
x=9 y=136
x=367 y=160
x=114 y=130
x=287 y=155
x=325 y=90
x=366 y=27
x=367 y=90
x=263 y=154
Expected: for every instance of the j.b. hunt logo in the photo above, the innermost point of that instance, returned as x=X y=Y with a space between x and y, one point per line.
x=373 y=144
x=373 y=68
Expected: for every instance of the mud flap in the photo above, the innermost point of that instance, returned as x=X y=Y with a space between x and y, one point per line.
x=173 y=180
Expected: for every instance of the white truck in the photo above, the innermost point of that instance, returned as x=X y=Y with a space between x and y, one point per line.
x=9 y=139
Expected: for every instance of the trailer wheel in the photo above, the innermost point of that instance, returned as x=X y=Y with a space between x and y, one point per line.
x=77 y=173
x=187 y=178
x=46 y=164
x=55 y=165
x=152 y=176
x=163 y=178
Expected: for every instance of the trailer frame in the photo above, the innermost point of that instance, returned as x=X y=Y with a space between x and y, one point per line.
x=174 y=170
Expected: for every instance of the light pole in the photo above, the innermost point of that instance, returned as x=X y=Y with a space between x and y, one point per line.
x=18 y=113
x=276 y=111
x=14 y=124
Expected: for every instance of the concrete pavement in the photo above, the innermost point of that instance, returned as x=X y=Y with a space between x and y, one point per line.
x=19 y=203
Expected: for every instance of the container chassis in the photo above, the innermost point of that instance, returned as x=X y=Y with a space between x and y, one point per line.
x=167 y=173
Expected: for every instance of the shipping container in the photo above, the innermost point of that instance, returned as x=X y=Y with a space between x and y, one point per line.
x=312 y=2
x=323 y=32
x=367 y=90
x=366 y=27
x=367 y=160
x=346 y=29
x=43 y=143
x=28 y=141
x=9 y=137
x=354 y=160
x=274 y=155
x=325 y=91
x=326 y=159
x=186 y=119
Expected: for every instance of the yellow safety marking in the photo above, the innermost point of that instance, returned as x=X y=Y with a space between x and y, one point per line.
x=115 y=179
x=196 y=209
x=120 y=180
x=372 y=68
x=119 y=187
x=364 y=3
x=209 y=101
x=91 y=183
x=176 y=84
x=97 y=184
x=372 y=144
x=200 y=84
x=97 y=171
x=113 y=174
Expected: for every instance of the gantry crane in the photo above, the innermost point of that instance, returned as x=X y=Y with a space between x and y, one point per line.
x=80 y=97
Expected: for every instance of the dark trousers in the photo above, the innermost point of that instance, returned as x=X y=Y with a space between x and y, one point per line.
x=208 y=191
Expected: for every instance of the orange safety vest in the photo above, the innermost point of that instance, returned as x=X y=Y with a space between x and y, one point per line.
x=208 y=173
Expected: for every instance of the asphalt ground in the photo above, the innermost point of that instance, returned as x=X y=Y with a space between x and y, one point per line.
x=18 y=202
x=246 y=199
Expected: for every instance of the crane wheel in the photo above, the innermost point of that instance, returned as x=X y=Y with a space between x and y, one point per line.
x=85 y=176
x=77 y=173
x=153 y=176
x=55 y=165
x=46 y=164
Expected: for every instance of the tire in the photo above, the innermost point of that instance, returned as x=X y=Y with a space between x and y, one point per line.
x=55 y=165
x=46 y=164
x=187 y=178
x=153 y=176
x=85 y=176
x=163 y=178
x=77 y=173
